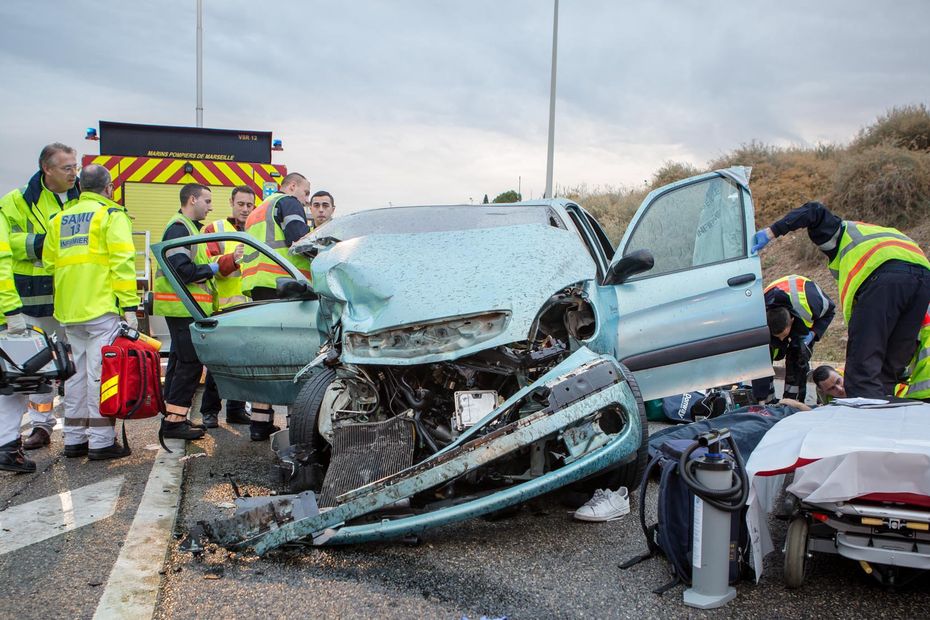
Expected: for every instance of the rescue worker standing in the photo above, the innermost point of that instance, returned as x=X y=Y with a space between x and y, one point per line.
x=90 y=253
x=884 y=283
x=27 y=211
x=13 y=406
x=196 y=272
x=798 y=314
x=279 y=222
x=228 y=282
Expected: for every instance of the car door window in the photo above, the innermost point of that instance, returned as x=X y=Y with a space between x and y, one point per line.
x=691 y=226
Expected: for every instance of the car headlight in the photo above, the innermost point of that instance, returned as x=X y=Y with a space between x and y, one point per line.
x=428 y=338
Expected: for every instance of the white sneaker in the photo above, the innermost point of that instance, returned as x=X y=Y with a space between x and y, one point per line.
x=605 y=505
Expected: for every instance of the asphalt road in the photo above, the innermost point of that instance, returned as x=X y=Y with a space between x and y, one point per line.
x=537 y=563
x=64 y=575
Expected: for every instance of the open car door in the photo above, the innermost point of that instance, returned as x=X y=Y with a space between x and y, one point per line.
x=696 y=319
x=253 y=350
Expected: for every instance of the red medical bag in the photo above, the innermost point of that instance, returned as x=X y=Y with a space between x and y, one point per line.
x=130 y=384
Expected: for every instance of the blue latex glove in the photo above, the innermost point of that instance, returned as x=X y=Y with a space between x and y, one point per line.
x=760 y=240
x=214 y=267
x=809 y=338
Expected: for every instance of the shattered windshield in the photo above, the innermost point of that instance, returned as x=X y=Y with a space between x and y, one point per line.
x=405 y=220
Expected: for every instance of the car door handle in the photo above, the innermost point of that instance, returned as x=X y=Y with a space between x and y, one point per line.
x=207 y=323
x=746 y=278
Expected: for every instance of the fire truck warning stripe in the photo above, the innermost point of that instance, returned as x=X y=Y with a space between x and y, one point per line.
x=206 y=173
x=143 y=170
x=169 y=171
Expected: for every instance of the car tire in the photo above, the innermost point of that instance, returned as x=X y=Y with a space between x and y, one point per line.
x=302 y=429
x=629 y=473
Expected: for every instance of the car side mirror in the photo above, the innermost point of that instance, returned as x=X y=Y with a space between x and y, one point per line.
x=630 y=265
x=289 y=288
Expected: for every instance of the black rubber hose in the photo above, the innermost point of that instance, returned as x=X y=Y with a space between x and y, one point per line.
x=731 y=499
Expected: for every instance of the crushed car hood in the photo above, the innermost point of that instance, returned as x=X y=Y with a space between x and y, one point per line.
x=393 y=280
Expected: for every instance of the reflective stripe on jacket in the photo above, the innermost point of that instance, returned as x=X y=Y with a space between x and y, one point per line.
x=9 y=299
x=28 y=212
x=228 y=287
x=861 y=250
x=167 y=302
x=257 y=270
x=918 y=384
x=799 y=290
x=90 y=253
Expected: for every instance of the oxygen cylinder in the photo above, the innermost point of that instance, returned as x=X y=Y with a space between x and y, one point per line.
x=710 y=544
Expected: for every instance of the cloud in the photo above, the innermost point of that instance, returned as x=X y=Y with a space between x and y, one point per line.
x=412 y=101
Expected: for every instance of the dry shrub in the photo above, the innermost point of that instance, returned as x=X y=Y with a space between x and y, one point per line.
x=612 y=207
x=672 y=171
x=883 y=185
x=907 y=127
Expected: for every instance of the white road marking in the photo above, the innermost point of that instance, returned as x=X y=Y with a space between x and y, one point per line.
x=132 y=588
x=45 y=518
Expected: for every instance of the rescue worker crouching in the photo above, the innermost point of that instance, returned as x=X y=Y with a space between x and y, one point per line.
x=13 y=406
x=196 y=272
x=279 y=221
x=28 y=211
x=228 y=282
x=90 y=253
x=798 y=314
x=884 y=281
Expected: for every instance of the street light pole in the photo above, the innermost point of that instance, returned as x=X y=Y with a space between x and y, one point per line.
x=200 y=63
x=555 y=48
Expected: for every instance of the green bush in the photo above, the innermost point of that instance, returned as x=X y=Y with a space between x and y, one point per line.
x=884 y=185
x=508 y=196
x=906 y=127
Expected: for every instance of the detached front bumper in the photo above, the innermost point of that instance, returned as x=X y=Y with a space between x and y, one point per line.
x=573 y=393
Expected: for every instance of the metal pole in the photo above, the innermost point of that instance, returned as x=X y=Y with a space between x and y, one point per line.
x=555 y=49
x=200 y=63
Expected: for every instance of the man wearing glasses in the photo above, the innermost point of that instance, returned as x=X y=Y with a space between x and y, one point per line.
x=28 y=211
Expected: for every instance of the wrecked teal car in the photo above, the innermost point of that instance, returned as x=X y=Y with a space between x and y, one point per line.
x=452 y=361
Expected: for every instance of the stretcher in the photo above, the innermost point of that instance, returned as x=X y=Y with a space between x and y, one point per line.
x=860 y=488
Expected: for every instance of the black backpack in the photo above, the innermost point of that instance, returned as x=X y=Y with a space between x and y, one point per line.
x=671 y=535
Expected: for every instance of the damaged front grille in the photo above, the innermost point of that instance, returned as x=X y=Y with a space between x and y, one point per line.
x=363 y=453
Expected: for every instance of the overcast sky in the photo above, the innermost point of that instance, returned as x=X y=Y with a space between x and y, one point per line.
x=415 y=102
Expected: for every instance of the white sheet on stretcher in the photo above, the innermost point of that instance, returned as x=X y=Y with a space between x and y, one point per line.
x=854 y=452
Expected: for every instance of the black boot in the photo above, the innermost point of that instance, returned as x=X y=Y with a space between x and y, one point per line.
x=260 y=431
x=180 y=430
x=210 y=420
x=114 y=451
x=12 y=458
x=76 y=450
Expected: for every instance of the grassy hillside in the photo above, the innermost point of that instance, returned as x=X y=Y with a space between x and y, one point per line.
x=882 y=176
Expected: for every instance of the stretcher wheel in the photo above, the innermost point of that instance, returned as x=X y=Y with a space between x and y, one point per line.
x=796 y=552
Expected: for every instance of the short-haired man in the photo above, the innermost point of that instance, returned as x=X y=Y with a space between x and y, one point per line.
x=322 y=205
x=279 y=222
x=12 y=406
x=829 y=382
x=229 y=293
x=27 y=211
x=195 y=271
x=798 y=314
x=90 y=253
